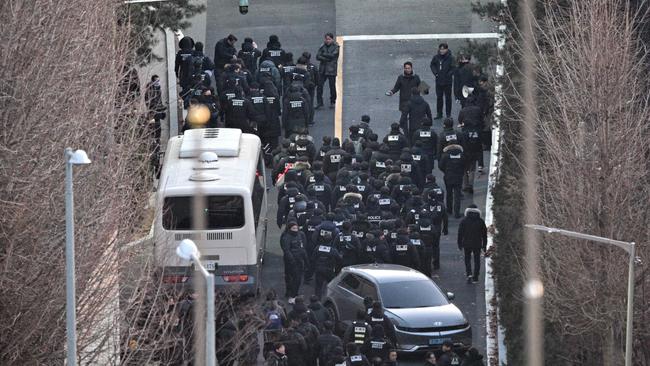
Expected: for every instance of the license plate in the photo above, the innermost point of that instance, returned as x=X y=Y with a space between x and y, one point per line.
x=210 y=265
x=438 y=341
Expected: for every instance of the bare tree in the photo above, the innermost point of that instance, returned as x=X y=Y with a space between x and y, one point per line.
x=62 y=75
x=592 y=132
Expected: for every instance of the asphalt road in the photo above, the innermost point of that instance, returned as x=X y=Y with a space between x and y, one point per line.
x=370 y=68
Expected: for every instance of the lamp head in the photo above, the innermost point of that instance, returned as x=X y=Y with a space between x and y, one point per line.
x=78 y=157
x=187 y=249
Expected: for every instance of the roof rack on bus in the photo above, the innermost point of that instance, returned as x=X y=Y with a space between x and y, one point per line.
x=221 y=141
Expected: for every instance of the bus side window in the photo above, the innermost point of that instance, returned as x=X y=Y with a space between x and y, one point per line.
x=258 y=192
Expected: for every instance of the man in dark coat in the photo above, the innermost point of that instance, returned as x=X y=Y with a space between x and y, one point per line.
x=349 y=245
x=404 y=85
x=257 y=100
x=379 y=344
x=463 y=76
x=311 y=333
x=224 y=53
x=442 y=67
x=448 y=356
x=155 y=106
x=472 y=238
x=333 y=160
x=377 y=317
x=295 y=344
x=485 y=100
x=286 y=71
x=448 y=136
x=292 y=242
x=328 y=55
x=396 y=141
x=403 y=252
x=268 y=70
x=326 y=344
x=429 y=145
x=249 y=54
x=452 y=163
x=271 y=129
x=439 y=225
x=471 y=114
x=314 y=76
x=326 y=261
x=231 y=75
x=240 y=113
x=273 y=51
x=418 y=110
x=355 y=357
x=473 y=358
x=206 y=64
x=183 y=63
x=295 y=112
x=473 y=149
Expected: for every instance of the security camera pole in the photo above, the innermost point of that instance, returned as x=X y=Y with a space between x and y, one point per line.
x=628 y=247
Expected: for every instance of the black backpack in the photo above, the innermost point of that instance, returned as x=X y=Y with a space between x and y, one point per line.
x=473 y=137
x=186 y=72
x=197 y=65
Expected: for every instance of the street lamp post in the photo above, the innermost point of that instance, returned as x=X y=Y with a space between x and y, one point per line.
x=188 y=251
x=78 y=157
x=629 y=247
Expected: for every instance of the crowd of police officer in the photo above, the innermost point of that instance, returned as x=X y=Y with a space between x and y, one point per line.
x=362 y=201
x=265 y=92
x=374 y=199
x=366 y=199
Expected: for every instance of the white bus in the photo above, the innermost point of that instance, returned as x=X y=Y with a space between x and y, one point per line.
x=226 y=167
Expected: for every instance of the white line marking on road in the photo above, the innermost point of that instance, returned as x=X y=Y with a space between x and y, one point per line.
x=387 y=37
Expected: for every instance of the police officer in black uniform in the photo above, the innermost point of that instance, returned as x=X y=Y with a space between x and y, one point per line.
x=379 y=345
x=377 y=317
x=429 y=140
x=403 y=252
x=292 y=243
x=396 y=141
x=452 y=163
x=295 y=112
x=326 y=261
x=240 y=113
x=349 y=245
x=439 y=225
x=359 y=331
x=355 y=357
x=333 y=159
x=448 y=136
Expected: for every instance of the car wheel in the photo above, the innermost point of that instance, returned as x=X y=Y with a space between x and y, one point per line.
x=334 y=315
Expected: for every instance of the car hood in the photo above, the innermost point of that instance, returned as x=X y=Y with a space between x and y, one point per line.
x=434 y=316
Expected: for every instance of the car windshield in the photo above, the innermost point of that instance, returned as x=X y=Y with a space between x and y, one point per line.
x=411 y=294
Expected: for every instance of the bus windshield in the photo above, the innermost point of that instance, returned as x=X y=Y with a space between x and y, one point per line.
x=220 y=212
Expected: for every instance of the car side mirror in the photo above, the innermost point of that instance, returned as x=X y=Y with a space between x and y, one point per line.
x=450 y=295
